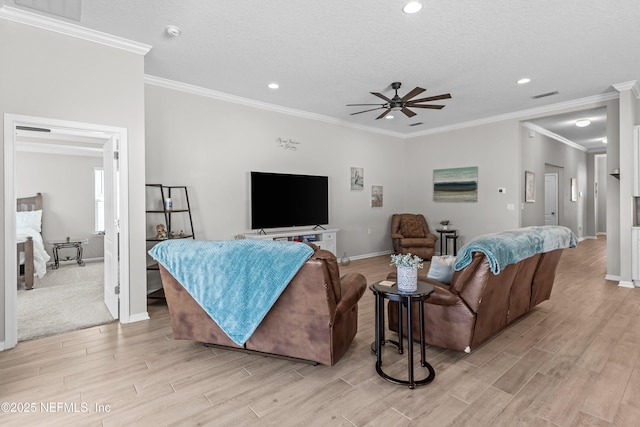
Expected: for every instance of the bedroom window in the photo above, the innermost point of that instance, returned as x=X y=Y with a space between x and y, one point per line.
x=99 y=200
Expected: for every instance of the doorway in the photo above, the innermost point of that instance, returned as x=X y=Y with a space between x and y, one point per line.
x=112 y=141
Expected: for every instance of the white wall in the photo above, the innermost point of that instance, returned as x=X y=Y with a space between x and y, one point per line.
x=67 y=186
x=495 y=150
x=51 y=75
x=211 y=146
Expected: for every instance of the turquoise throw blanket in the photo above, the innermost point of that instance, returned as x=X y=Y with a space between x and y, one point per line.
x=235 y=281
x=510 y=247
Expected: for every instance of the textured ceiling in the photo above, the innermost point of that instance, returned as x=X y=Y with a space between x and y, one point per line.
x=326 y=54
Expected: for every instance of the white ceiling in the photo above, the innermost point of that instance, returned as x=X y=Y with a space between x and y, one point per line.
x=326 y=54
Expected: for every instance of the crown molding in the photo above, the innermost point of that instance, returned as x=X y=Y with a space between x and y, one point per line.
x=552 y=135
x=208 y=93
x=517 y=115
x=73 y=30
x=200 y=91
x=630 y=85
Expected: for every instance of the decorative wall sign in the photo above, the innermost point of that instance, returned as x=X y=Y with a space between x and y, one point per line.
x=357 y=179
x=455 y=185
x=529 y=187
x=574 y=190
x=288 y=143
x=376 y=196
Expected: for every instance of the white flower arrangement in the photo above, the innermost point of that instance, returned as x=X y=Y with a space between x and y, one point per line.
x=406 y=260
x=444 y=222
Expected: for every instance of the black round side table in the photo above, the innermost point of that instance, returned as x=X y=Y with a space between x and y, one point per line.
x=404 y=299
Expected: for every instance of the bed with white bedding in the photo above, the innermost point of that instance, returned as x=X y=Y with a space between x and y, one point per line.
x=32 y=257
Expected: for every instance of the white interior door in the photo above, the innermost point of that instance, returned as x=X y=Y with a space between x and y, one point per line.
x=111 y=226
x=550 y=199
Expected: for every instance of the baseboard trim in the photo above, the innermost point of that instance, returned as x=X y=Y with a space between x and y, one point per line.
x=626 y=284
x=612 y=277
x=137 y=317
x=370 y=255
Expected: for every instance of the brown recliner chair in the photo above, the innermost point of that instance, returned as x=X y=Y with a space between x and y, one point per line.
x=410 y=234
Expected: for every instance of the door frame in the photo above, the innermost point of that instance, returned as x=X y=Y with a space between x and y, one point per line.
x=11 y=121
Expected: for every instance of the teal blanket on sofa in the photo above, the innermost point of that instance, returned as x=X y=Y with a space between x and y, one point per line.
x=235 y=281
x=512 y=246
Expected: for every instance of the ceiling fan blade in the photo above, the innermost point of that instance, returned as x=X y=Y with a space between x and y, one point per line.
x=433 y=107
x=384 y=114
x=379 y=95
x=416 y=91
x=357 y=105
x=408 y=112
x=431 y=98
x=366 y=110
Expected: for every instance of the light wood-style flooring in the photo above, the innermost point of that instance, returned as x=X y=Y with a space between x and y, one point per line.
x=573 y=361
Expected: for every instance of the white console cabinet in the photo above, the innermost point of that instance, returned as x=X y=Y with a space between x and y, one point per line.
x=325 y=239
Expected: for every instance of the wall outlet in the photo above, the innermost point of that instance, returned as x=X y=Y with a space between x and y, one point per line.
x=511 y=207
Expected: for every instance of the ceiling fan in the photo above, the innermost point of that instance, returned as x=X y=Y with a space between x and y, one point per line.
x=403 y=104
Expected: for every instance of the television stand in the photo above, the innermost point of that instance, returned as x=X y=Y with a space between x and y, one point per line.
x=325 y=239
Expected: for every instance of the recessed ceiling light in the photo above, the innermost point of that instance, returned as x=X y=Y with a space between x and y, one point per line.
x=173 y=31
x=274 y=85
x=523 y=81
x=389 y=116
x=604 y=140
x=412 y=7
x=583 y=123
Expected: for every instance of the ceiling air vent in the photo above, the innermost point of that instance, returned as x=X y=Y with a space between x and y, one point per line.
x=416 y=124
x=543 y=95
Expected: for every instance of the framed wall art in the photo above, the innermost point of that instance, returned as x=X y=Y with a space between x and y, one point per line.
x=376 y=196
x=455 y=185
x=529 y=187
x=357 y=179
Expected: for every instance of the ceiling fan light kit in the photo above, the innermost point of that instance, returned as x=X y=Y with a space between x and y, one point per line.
x=404 y=103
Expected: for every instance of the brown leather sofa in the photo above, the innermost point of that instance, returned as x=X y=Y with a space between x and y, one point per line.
x=410 y=234
x=315 y=318
x=477 y=304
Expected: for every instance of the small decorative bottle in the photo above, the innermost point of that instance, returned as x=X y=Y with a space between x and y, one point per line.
x=345 y=260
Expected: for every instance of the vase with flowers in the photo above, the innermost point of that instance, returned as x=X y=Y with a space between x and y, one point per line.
x=445 y=224
x=407 y=266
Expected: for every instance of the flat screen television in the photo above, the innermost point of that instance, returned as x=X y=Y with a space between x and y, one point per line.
x=286 y=200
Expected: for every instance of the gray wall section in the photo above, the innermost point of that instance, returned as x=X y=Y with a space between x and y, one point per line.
x=51 y=75
x=541 y=154
x=67 y=186
x=489 y=147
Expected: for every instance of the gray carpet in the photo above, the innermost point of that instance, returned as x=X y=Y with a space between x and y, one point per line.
x=65 y=299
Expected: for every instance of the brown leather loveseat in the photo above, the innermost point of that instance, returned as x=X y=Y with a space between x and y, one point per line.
x=478 y=303
x=315 y=318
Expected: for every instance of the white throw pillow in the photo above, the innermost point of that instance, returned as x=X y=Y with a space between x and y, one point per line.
x=441 y=268
x=29 y=219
